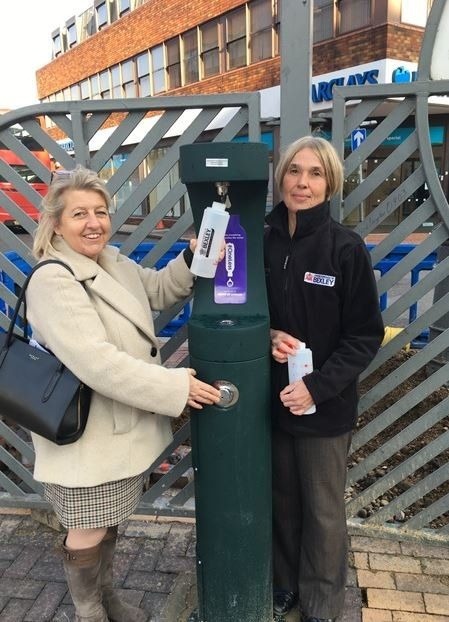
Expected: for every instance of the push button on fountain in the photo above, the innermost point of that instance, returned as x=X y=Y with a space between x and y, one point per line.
x=229 y=394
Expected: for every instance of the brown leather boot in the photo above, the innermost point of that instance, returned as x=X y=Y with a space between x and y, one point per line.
x=117 y=610
x=82 y=569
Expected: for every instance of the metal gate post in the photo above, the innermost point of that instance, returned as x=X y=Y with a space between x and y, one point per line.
x=229 y=346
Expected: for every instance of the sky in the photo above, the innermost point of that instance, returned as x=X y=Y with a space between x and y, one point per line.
x=25 y=44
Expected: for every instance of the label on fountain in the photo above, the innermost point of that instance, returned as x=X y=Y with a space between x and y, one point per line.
x=230 y=285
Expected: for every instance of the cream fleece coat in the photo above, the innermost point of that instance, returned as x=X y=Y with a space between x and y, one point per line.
x=99 y=324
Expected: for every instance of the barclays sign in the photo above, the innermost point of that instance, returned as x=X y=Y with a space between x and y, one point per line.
x=322 y=91
x=377 y=72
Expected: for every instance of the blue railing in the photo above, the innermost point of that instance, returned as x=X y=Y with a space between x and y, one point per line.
x=389 y=262
x=138 y=254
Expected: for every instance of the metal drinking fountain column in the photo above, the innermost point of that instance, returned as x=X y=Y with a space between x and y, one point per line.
x=229 y=347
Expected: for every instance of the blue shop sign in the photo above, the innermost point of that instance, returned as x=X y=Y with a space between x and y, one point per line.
x=436 y=134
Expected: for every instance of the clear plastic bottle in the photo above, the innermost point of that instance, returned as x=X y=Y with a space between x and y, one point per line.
x=210 y=240
x=299 y=365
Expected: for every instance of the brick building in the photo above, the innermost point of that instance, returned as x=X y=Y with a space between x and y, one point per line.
x=140 y=48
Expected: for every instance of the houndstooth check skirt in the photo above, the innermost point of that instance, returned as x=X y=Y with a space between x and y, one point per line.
x=105 y=505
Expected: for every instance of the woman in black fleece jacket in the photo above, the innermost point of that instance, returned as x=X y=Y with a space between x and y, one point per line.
x=321 y=292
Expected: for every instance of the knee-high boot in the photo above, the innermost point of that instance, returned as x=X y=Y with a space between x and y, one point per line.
x=82 y=569
x=117 y=610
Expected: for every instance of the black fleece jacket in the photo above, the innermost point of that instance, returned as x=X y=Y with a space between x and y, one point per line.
x=322 y=290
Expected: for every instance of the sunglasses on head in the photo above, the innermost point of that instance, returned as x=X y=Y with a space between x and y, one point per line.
x=60 y=173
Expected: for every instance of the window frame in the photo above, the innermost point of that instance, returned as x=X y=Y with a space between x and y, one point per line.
x=128 y=77
x=190 y=57
x=173 y=63
x=122 y=10
x=350 y=6
x=99 y=5
x=105 y=93
x=327 y=30
x=159 y=71
x=211 y=51
x=235 y=40
x=255 y=36
x=57 y=49
x=72 y=34
x=143 y=74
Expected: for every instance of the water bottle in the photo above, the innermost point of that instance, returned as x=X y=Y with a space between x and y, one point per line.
x=210 y=240
x=299 y=365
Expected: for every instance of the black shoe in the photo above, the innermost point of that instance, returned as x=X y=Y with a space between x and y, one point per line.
x=283 y=601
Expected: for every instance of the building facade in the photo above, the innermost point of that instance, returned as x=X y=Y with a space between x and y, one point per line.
x=144 y=48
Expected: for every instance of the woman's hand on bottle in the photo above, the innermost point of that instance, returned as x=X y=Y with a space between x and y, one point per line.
x=296 y=398
x=200 y=392
x=193 y=243
x=282 y=344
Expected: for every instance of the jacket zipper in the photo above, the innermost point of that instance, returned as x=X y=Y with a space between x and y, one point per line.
x=286 y=271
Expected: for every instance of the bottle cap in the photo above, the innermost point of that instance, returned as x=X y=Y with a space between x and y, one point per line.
x=302 y=345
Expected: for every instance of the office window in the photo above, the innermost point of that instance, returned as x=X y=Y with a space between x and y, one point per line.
x=105 y=87
x=101 y=11
x=323 y=20
x=116 y=81
x=236 y=38
x=190 y=57
x=124 y=6
x=173 y=63
x=260 y=20
x=71 y=34
x=57 y=45
x=95 y=87
x=75 y=92
x=415 y=12
x=158 y=69
x=143 y=74
x=210 y=50
x=128 y=81
x=84 y=87
x=354 y=14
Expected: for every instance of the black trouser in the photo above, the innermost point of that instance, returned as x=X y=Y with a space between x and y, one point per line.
x=310 y=542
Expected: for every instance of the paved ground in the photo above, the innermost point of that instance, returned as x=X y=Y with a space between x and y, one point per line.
x=389 y=581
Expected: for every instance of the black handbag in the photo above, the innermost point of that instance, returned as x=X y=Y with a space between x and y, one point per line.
x=37 y=391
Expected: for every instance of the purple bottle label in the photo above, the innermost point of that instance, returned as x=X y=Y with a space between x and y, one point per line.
x=230 y=286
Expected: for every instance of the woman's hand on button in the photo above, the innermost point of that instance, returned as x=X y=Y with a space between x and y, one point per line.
x=200 y=392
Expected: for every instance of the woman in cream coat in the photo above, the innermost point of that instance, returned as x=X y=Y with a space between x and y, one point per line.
x=98 y=322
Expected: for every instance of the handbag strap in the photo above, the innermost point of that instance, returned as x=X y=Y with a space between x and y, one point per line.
x=21 y=299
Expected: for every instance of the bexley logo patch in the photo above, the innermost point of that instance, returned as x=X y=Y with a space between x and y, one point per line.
x=319 y=279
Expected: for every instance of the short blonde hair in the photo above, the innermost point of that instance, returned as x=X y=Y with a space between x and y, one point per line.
x=53 y=203
x=326 y=153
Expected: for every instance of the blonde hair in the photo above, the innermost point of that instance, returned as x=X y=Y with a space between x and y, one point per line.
x=53 y=203
x=326 y=153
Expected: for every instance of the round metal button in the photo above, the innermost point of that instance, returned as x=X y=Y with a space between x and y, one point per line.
x=229 y=393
